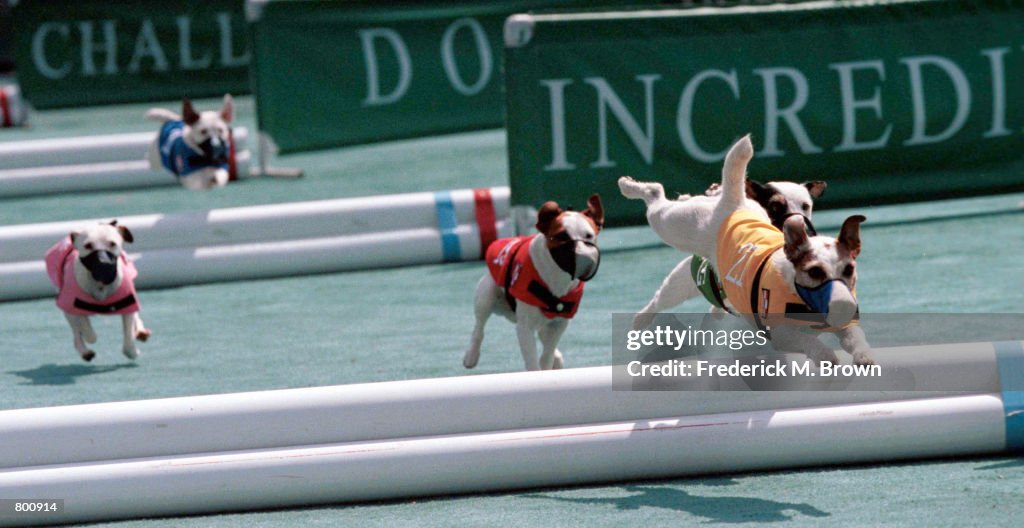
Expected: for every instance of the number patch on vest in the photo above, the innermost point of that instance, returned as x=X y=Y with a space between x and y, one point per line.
x=738 y=269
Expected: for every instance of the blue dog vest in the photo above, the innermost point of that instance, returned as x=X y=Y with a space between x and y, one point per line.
x=177 y=156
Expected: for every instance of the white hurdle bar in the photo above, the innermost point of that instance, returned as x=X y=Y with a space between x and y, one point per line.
x=432 y=437
x=91 y=163
x=275 y=240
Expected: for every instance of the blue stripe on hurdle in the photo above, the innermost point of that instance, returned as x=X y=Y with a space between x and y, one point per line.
x=1010 y=360
x=447 y=222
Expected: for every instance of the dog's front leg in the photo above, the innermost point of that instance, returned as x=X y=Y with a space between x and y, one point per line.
x=82 y=333
x=128 y=328
x=528 y=318
x=793 y=339
x=853 y=340
x=550 y=334
x=677 y=287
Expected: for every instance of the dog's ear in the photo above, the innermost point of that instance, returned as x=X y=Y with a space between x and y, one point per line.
x=188 y=114
x=816 y=188
x=547 y=215
x=797 y=243
x=227 y=110
x=849 y=234
x=758 y=192
x=595 y=210
x=125 y=234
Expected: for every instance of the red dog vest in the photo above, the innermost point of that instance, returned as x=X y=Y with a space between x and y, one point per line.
x=508 y=260
x=60 y=266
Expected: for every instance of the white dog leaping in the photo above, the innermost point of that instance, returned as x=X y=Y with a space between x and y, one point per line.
x=537 y=281
x=194 y=146
x=782 y=281
x=694 y=276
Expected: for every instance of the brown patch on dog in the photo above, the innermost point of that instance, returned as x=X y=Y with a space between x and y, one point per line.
x=815 y=188
x=546 y=216
x=849 y=234
x=143 y=335
x=595 y=212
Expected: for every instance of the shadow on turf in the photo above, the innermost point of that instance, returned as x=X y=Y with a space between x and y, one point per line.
x=714 y=509
x=52 y=374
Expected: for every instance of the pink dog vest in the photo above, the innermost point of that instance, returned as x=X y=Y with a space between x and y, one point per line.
x=60 y=266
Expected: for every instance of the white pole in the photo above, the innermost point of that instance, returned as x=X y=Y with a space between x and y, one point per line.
x=101 y=176
x=478 y=462
x=87 y=149
x=427 y=407
x=274 y=222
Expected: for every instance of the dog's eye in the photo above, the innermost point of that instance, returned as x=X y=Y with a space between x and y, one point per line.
x=110 y=245
x=848 y=270
x=89 y=246
x=816 y=273
x=806 y=207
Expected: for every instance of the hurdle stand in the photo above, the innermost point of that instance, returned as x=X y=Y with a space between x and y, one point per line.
x=13 y=108
x=95 y=163
x=415 y=438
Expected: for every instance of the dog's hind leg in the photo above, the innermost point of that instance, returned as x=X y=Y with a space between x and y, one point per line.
x=483 y=307
x=550 y=334
x=128 y=347
x=649 y=192
x=677 y=287
x=82 y=333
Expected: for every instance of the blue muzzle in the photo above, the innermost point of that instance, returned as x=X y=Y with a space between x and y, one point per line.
x=818 y=297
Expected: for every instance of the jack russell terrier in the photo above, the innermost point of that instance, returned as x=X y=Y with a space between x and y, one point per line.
x=94 y=276
x=536 y=281
x=694 y=275
x=193 y=146
x=782 y=281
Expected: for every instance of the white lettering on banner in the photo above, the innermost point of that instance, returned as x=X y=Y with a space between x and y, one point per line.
x=684 y=116
x=98 y=51
x=772 y=112
x=39 y=50
x=227 y=57
x=483 y=50
x=996 y=64
x=147 y=45
x=373 y=90
x=960 y=86
x=607 y=99
x=109 y=43
x=851 y=104
x=860 y=96
x=556 y=94
x=185 y=47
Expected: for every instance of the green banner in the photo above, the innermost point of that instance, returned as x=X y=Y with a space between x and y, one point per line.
x=331 y=73
x=887 y=100
x=90 y=52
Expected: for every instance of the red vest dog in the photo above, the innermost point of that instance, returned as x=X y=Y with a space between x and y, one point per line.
x=537 y=281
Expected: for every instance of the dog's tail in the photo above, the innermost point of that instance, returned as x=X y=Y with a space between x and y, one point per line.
x=734 y=171
x=162 y=115
x=650 y=192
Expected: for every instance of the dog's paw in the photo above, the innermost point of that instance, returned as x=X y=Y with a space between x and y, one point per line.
x=863 y=358
x=824 y=356
x=471 y=358
x=130 y=352
x=88 y=355
x=558 y=362
x=143 y=335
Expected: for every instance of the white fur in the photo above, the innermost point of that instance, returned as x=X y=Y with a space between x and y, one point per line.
x=107 y=237
x=210 y=123
x=692 y=226
x=531 y=323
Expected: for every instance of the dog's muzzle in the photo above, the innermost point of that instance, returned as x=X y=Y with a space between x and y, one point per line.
x=215 y=149
x=819 y=297
x=102 y=265
x=579 y=263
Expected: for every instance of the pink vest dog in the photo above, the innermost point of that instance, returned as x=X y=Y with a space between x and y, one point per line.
x=71 y=298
